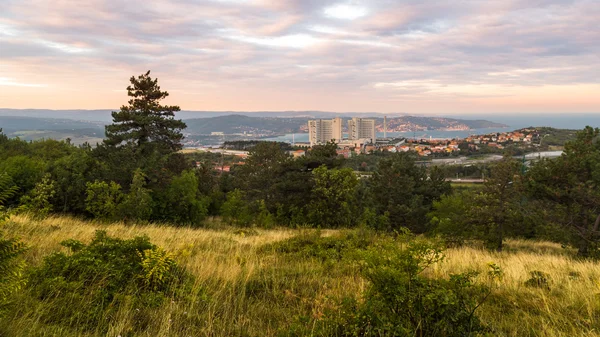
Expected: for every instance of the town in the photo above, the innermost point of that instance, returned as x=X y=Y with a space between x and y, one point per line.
x=360 y=136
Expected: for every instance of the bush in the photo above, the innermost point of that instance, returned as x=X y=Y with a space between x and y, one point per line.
x=84 y=288
x=538 y=279
x=403 y=302
x=311 y=244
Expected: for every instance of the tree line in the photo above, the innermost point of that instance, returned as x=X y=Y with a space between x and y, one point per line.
x=139 y=174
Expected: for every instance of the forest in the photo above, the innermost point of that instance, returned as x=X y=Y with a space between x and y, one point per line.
x=398 y=253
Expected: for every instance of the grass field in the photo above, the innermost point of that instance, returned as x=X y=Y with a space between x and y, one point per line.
x=242 y=288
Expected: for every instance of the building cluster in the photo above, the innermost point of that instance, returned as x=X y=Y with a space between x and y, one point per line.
x=499 y=140
x=429 y=147
x=360 y=131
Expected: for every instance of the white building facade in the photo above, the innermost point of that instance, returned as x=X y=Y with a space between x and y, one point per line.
x=321 y=131
x=359 y=128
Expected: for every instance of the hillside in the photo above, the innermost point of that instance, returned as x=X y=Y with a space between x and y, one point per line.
x=81 y=130
x=14 y=123
x=551 y=136
x=232 y=124
x=414 y=123
x=244 y=286
x=31 y=128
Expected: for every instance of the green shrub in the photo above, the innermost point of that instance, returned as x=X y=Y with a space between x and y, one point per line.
x=264 y=218
x=403 y=302
x=538 y=279
x=370 y=219
x=84 y=288
x=312 y=244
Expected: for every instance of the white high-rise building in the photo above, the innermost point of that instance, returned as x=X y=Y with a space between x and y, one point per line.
x=359 y=128
x=320 y=131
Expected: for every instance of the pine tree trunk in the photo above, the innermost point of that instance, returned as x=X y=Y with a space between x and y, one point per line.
x=584 y=244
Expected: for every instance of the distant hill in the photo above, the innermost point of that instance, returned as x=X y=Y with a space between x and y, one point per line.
x=412 y=123
x=78 y=115
x=16 y=123
x=233 y=124
x=239 y=124
x=103 y=115
x=551 y=136
x=62 y=128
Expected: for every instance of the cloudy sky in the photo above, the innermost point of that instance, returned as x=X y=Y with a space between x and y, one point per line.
x=414 y=56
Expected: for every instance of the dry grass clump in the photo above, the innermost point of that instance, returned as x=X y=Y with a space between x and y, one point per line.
x=243 y=289
x=565 y=303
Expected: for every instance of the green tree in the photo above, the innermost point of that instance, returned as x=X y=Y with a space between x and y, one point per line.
x=71 y=175
x=333 y=198
x=490 y=213
x=264 y=218
x=452 y=216
x=103 y=199
x=260 y=173
x=182 y=201
x=7 y=190
x=235 y=210
x=38 y=201
x=292 y=189
x=570 y=187
x=325 y=154
x=25 y=172
x=146 y=123
x=137 y=204
x=502 y=193
x=405 y=192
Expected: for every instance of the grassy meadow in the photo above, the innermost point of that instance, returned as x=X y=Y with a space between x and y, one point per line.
x=242 y=286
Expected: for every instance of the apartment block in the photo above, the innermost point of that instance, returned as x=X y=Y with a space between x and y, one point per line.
x=321 y=131
x=359 y=128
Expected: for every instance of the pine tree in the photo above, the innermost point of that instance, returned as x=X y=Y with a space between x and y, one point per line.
x=145 y=123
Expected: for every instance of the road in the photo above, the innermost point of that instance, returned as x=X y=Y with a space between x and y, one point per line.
x=223 y=151
x=487 y=159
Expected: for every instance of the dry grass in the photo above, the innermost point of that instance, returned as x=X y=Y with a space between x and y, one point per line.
x=568 y=307
x=251 y=292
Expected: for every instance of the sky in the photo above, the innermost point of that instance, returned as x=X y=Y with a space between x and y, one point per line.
x=410 y=56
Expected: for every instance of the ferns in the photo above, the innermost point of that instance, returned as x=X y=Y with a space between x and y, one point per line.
x=7 y=190
x=157 y=266
x=11 y=269
x=11 y=278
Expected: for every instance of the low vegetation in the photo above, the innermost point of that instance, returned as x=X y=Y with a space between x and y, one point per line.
x=285 y=282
